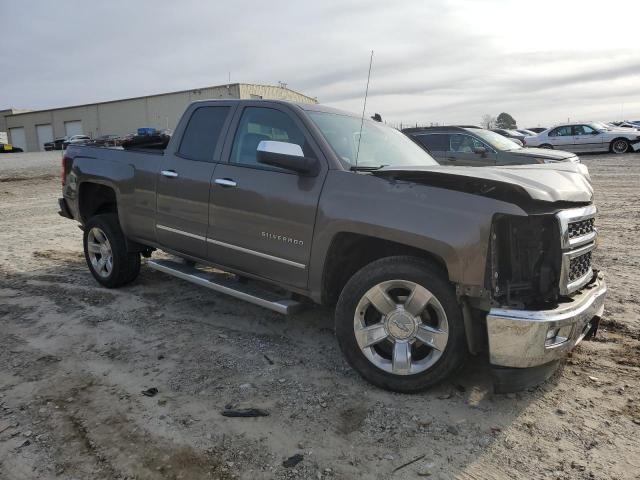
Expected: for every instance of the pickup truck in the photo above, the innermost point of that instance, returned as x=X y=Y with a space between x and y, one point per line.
x=424 y=263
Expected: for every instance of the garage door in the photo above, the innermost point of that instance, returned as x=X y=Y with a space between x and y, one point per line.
x=17 y=138
x=73 y=128
x=45 y=134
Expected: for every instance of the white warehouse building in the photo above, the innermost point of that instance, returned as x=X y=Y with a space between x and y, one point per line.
x=30 y=130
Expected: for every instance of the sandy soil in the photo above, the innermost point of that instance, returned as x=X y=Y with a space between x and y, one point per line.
x=74 y=359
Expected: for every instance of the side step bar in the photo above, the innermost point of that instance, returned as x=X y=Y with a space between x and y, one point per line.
x=262 y=298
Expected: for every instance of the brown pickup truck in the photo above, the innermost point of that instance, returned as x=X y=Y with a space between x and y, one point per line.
x=423 y=262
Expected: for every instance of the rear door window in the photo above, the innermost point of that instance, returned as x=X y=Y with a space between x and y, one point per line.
x=434 y=142
x=202 y=134
x=565 y=131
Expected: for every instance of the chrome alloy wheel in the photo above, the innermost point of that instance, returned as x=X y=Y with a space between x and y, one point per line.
x=100 y=253
x=401 y=327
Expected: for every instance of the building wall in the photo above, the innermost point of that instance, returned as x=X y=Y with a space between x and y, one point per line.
x=3 y=121
x=121 y=117
x=29 y=123
x=274 y=93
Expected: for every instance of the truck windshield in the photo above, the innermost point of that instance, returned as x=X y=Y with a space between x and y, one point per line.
x=379 y=146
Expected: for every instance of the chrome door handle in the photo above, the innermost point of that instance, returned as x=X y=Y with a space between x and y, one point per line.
x=226 y=182
x=169 y=173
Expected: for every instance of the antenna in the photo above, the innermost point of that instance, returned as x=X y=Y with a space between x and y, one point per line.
x=366 y=92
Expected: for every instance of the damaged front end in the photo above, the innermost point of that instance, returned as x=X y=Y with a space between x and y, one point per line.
x=525 y=261
x=547 y=296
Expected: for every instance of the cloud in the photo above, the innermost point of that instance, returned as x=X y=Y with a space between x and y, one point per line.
x=446 y=61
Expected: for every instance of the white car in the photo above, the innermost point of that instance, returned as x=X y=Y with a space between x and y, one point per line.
x=76 y=139
x=587 y=137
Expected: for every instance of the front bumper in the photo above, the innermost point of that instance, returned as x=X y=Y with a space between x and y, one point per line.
x=517 y=337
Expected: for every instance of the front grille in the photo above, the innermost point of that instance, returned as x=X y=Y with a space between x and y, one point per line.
x=579 y=266
x=581 y=227
x=578 y=238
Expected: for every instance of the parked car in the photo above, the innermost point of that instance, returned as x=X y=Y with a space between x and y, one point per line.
x=8 y=148
x=525 y=132
x=537 y=129
x=511 y=134
x=106 y=141
x=587 y=137
x=479 y=147
x=630 y=125
x=76 y=139
x=56 y=144
x=424 y=262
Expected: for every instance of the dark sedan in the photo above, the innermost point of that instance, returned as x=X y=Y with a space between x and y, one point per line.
x=512 y=134
x=56 y=144
x=480 y=147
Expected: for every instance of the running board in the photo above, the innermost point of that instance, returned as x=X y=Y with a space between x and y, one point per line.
x=217 y=282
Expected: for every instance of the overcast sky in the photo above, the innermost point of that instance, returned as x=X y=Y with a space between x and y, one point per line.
x=434 y=61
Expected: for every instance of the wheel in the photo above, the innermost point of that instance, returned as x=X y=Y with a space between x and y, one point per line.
x=106 y=253
x=547 y=145
x=399 y=324
x=620 y=145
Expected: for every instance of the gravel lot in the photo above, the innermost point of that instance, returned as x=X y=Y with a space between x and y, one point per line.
x=74 y=359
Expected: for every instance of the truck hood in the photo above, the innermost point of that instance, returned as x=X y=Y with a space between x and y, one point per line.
x=551 y=182
x=547 y=154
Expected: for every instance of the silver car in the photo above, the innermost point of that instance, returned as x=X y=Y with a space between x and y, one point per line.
x=587 y=137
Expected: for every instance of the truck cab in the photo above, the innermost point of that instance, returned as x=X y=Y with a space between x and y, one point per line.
x=424 y=263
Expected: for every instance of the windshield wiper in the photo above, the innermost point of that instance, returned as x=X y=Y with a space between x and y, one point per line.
x=362 y=168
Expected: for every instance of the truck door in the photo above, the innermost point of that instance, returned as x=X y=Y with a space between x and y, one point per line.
x=262 y=218
x=182 y=199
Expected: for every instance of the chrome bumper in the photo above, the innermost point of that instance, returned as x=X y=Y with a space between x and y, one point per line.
x=518 y=338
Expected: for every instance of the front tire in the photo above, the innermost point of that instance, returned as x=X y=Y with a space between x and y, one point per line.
x=399 y=325
x=620 y=145
x=105 y=251
x=547 y=146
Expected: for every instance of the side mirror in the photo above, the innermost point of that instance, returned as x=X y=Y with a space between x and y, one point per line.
x=481 y=150
x=288 y=156
x=595 y=132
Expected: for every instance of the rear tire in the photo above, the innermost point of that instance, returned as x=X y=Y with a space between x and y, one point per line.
x=418 y=342
x=619 y=146
x=105 y=251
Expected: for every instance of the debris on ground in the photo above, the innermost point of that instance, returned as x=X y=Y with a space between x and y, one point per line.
x=245 y=412
x=292 y=461
x=410 y=462
x=150 y=392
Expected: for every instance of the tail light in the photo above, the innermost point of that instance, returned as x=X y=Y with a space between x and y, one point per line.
x=65 y=166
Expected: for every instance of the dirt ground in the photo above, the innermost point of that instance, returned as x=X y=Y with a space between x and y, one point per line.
x=74 y=359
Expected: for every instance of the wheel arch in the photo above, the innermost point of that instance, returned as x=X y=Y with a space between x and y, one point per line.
x=95 y=198
x=619 y=138
x=349 y=252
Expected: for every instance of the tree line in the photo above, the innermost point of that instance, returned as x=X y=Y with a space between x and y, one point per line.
x=504 y=120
